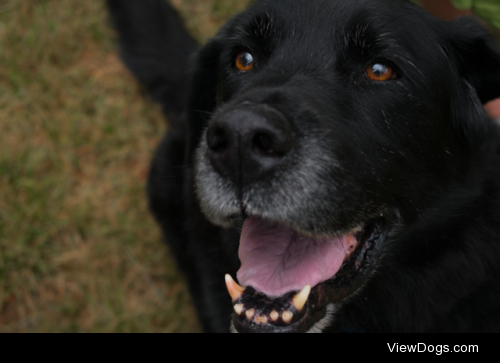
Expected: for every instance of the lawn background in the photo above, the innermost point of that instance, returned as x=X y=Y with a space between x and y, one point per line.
x=79 y=251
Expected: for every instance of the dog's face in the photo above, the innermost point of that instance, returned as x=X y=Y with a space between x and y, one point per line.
x=326 y=127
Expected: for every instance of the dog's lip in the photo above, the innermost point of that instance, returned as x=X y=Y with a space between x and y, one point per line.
x=253 y=310
x=310 y=321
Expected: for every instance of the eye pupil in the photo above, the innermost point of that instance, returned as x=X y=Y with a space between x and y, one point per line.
x=244 y=61
x=247 y=58
x=379 y=69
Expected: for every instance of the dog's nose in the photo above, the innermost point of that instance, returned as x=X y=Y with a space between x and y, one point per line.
x=248 y=144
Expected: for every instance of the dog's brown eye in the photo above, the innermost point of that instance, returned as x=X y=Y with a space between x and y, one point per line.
x=380 y=72
x=244 y=62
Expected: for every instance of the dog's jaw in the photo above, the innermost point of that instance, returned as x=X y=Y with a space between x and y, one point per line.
x=271 y=300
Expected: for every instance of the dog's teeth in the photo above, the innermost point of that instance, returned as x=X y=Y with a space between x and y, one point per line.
x=299 y=301
x=238 y=309
x=261 y=320
x=287 y=317
x=274 y=316
x=250 y=313
x=234 y=289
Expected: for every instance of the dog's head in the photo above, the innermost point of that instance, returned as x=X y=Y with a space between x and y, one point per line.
x=325 y=126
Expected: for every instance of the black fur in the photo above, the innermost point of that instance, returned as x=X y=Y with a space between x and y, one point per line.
x=420 y=146
x=155 y=47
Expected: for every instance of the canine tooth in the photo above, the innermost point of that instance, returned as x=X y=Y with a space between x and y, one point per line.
x=250 y=313
x=287 y=317
x=299 y=301
x=274 y=315
x=234 y=289
x=238 y=309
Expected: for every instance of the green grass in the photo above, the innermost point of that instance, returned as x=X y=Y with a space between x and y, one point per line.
x=79 y=251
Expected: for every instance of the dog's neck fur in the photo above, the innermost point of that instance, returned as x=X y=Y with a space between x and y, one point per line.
x=462 y=244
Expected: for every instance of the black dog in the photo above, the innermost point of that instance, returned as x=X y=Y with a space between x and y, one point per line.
x=334 y=156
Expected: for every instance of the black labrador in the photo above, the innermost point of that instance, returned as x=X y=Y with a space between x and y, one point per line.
x=334 y=157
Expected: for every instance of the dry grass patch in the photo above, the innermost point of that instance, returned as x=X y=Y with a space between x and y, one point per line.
x=204 y=17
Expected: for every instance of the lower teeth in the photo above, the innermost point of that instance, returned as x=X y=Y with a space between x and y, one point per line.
x=243 y=298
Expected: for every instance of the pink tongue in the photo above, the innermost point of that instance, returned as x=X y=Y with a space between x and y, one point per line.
x=277 y=260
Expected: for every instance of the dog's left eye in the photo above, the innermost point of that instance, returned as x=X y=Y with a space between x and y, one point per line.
x=244 y=61
x=380 y=72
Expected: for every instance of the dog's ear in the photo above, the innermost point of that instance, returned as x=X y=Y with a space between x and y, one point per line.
x=203 y=92
x=477 y=55
x=156 y=48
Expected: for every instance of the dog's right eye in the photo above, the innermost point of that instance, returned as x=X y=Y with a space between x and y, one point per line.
x=244 y=62
x=380 y=72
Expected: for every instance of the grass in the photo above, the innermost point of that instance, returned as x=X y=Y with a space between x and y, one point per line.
x=79 y=251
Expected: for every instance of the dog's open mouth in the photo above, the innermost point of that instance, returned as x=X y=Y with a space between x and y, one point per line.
x=292 y=281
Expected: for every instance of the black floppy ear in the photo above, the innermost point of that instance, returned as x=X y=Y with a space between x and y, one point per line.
x=477 y=55
x=203 y=95
x=156 y=47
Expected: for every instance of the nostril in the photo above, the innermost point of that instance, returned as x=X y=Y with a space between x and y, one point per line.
x=264 y=143
x=217 y=139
